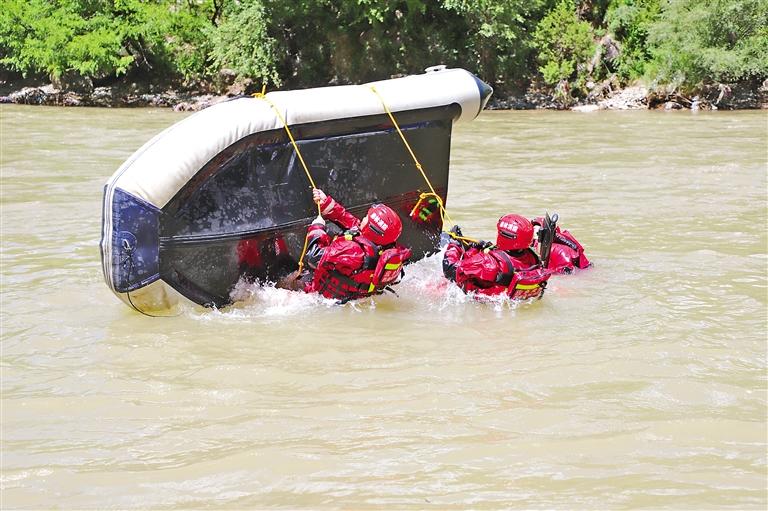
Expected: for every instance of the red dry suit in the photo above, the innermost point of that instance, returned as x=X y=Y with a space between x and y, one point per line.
x=350 y=266
x=566 y=252
x=491 y=271
x=259 y=258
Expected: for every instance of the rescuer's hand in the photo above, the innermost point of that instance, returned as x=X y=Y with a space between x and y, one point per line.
x=319 y=220
x=318 y=195
x=481 y=245
x=446 y=239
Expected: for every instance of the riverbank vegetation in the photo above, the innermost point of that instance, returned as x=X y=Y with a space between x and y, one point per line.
x=571 y=49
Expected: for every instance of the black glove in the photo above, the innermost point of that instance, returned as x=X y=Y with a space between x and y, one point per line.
x=481 y=245
x=446 y=239
x=456 y=231
x=313 y=255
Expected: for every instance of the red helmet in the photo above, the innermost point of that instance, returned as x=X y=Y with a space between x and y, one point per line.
x=381 y=225
x=515 y=232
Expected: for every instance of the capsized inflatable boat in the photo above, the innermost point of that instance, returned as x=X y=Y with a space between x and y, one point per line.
x=221 y=195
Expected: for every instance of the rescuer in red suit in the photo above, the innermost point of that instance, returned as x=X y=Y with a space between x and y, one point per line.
x=362 y=261
x=509 y=267
x=260 y=258
x=566 y=253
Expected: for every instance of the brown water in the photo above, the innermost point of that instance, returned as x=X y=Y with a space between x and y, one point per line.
x=640 y=383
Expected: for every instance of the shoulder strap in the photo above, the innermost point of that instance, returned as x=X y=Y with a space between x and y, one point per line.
x=505 y=276
x=535 y=256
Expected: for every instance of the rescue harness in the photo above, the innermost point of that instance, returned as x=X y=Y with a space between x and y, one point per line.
x=380 y=268
x=517 y=283
x=521 y=283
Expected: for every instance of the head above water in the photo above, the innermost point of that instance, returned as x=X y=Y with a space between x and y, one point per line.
x=381 y=225
x=515 y=232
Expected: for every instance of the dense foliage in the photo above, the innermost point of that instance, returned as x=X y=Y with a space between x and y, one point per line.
x=563 y=45
x=695 y=41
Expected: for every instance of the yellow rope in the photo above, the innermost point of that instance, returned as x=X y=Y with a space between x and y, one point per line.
x=261 y=95
x=443 y=213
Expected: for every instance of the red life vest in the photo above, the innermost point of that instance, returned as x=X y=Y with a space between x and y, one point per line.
x=426 y=211
x=496 y=272
x=354 y=267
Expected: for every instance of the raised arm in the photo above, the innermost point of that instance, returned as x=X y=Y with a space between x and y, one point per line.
x=333 y=211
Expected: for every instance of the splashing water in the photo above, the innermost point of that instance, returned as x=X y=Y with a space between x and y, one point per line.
x=423 y=287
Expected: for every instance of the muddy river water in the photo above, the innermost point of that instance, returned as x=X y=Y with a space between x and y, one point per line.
x=639 y=383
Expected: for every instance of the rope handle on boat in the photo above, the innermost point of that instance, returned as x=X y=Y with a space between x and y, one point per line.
x=262 y=95
x=128 y=261
x=443 y=212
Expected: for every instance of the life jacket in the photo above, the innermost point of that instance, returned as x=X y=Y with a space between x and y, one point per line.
x=344 y=275
x=426 y=211
x=496 y=272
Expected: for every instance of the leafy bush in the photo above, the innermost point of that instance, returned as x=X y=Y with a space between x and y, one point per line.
x=630 y=22
x=242 y=43
x=98 y=38
x=493 y=37
x=703 y=41
x=509 y=43
x=54 y=37
x=316 y=42
x=565 y=44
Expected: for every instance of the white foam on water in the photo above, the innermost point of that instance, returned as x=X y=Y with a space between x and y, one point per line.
x=257 y=300
x=423 y=287
x=424 y=281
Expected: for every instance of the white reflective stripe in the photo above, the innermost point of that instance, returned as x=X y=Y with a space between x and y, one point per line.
x=327 y=209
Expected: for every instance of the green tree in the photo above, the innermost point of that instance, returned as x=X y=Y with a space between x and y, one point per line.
x=98 y=38
x=493 y=37
x=242 y=43
x=630 y=21
x=54 y=37
x=565 y=44
x=316 y=42
x=301 y=43
x=322 y=41
x=704 y=41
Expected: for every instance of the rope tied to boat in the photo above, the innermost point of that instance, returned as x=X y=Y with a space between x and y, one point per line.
x=425 y=195
x=128 y=263
x=262 y=95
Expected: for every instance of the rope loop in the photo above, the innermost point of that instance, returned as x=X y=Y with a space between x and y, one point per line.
x=443 y=213
x=263 y=96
